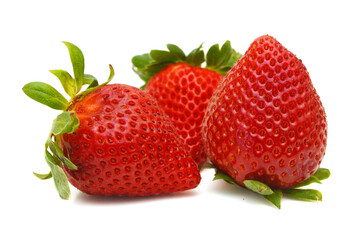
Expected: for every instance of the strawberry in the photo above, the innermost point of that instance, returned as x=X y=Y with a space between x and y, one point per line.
x=265 y=127
x=183 y=88
x=111 y=139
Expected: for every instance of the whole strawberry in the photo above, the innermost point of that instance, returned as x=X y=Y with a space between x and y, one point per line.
x=183 y=88
x=265 y=122
x=111 y=139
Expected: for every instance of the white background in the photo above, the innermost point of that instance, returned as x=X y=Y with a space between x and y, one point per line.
x=324 y=34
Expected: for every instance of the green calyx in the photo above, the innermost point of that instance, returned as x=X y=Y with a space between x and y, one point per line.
x=66 y=122
x=222 y=59
x=275 y=195
x=219 y=60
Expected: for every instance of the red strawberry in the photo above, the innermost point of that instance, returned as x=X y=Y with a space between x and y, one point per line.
x=183 y=88
x=111 y=139
x=265 y=121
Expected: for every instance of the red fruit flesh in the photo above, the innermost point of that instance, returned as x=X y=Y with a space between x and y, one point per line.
x=126 y=145
x=265 y=121
x=183 y=91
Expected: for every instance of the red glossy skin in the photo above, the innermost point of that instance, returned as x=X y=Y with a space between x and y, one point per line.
x=183 y=91
x=126 y=145
x=266 y=121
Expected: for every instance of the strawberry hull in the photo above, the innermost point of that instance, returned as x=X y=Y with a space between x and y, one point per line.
x=265 y=121
x=126 y=145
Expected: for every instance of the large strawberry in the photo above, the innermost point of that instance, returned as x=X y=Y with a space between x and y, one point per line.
x=183 y=88
x=111 y=139
x=265 y=126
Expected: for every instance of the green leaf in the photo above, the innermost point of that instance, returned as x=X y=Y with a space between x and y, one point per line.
x=235 y=56
x=155 y=67
x=212 y=56
x=216 y=58
x=322 y=173
x=222 y=60
x=66 y=122
x=176 y=51
x=43 y=176
x=223 y=176
x=149 y=71
x=46 y=94
x=143 y=74
x=60 y=179
x=310 y=180
x=225 y=53
x=196 y=57
x=78 y=63
x=56 y=150
x=163 y=56
x=141 y=61
x=303 y=194
x=66 y=80
x=90 y=80
x=275 y=198
x=258 y=187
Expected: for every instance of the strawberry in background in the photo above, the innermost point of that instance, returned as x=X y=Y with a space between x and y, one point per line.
x=183 y=87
